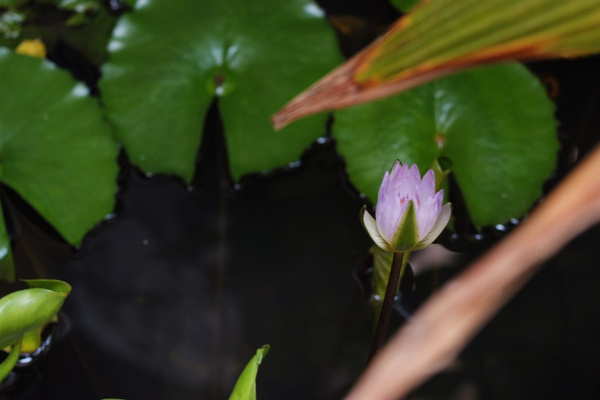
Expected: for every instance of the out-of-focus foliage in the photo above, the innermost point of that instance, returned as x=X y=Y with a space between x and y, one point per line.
x=10 y=24
x=33 y=48
x=84 y=25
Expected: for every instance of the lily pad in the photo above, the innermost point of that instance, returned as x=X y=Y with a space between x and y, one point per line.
x=55 y=148
x=170 y=59
x=495 y=124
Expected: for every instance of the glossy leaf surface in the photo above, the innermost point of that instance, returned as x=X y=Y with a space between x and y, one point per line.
x=29 y=309
x=161 y=79
x=56 y=150
x=494 y=124
x=245 y=387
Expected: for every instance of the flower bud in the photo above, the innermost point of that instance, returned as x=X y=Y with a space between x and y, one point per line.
x=409 y=214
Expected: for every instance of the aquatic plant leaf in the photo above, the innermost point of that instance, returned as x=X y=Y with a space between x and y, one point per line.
x=26 y=310
x=32 y=339
x=24 y=313
x=56 y=149
x=164 y=73
x=50 y=284
x=495 y=124
x=441 y=37
x=245 y=387
x=9 y=362
x=7 y=271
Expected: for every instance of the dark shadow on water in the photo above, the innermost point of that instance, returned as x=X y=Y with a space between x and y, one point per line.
x=173 y=296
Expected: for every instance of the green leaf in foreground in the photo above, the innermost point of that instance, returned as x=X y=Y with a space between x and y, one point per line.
x=55 y=148
x=29 y=309
x=245 y=387
x=170 y=59
x=9 y=362
x=495 y=124
x=445 y=35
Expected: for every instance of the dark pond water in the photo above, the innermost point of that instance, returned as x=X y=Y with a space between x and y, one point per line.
x=173 y=296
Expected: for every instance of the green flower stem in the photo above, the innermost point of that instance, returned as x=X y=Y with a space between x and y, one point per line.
x=397 y=270
x=9 y=363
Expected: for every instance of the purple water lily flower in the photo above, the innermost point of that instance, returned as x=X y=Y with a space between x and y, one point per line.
x=409 y=214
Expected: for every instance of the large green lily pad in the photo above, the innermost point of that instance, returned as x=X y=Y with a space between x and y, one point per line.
x=169 y=59
x=55 y=148
x=495 y=124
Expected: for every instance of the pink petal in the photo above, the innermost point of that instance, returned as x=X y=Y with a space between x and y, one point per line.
x=427 y=215
x=384 y=187
x=388 y=214
x=437 y=227
x=371 y=226
x=427 y=186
